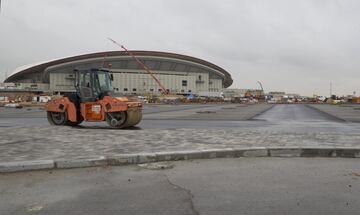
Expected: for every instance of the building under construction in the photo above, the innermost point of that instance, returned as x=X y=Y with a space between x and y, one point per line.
x=179 y=74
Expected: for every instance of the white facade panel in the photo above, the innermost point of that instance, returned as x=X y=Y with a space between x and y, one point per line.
x=215 y=85
x=61 y=82
x=143 y=83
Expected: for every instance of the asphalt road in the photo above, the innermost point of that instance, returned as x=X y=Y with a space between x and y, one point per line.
x=303 y=119
x=154 y=116
x=219 y=186
x=295 y=113
x=281 y=117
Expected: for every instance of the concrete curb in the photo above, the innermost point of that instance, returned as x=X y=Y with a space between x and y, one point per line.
x=130 y=159
x=19 y=166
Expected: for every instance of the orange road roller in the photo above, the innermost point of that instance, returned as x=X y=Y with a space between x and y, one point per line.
x=93 y=101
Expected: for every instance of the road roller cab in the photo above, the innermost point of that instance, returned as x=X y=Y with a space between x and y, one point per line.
x=93 y=101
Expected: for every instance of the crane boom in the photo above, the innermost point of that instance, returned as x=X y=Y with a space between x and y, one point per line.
x=261 y=86
x=164 y=91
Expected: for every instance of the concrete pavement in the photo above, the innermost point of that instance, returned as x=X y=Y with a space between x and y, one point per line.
x=220 y=186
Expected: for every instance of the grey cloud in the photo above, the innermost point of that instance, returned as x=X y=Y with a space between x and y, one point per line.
x=296 y=46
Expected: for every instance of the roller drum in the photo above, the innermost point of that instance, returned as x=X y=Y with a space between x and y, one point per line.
x=134 y=116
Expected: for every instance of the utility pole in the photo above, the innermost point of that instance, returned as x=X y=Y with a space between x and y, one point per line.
x=330 y=89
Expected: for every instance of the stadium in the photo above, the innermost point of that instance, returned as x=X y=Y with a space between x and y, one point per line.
x=179 y=74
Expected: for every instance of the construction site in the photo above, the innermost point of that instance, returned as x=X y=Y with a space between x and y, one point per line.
x=71 y=126
x=202 y=107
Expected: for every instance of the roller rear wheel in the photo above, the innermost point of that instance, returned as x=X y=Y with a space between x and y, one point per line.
x=60 y=118
x=57 y=118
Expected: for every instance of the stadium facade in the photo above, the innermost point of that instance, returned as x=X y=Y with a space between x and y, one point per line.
x=179 y=74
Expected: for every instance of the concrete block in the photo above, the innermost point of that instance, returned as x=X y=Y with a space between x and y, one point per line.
x=209 y=153
x=357 y=154
x=26 y=165
x=251 y=152
x=348 y=153
x=318 y=152
x=127 y=159
x=223 y=153
x=185 y=155
x=171 y=156
x=80 y=163
x=164 y=156
x=195 y=154
x=146 y=158
x=121 y=160
x=286 y=152
x=190 y=155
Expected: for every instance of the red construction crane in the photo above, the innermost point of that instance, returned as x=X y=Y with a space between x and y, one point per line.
x=163 y=89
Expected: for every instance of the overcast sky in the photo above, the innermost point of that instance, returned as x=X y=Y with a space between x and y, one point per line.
x=297 y=46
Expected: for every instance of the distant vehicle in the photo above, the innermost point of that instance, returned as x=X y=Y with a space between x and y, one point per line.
x=142 y=99
x=13 y=105
x=253 y=100
x=322 y=98
x=337 y=102
x=190 y=97
x=244 y=99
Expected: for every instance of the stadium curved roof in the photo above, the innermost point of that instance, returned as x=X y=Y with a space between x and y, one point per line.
x=40 y=67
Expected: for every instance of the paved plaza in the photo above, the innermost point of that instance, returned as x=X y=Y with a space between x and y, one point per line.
x=268 y=126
